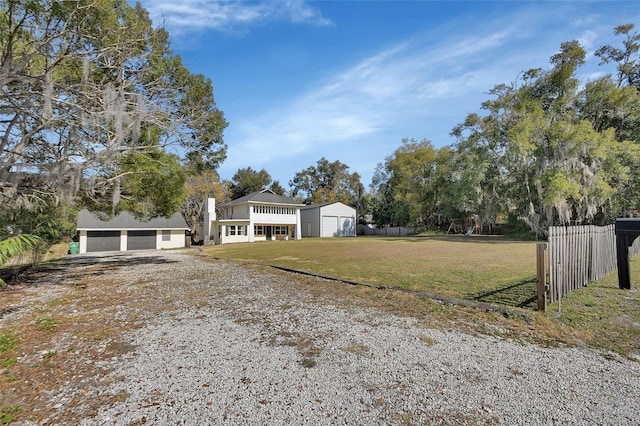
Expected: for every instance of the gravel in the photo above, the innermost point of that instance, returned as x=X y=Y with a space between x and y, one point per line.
x=259 y=350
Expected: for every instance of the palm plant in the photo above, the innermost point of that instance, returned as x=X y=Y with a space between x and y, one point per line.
x=16 y=245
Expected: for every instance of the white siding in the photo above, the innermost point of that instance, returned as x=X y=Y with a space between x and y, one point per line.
x=274 y=219
x=223 y=236
x=234 y=239
x=273 y=214
x=177 y=239
x=238 y=211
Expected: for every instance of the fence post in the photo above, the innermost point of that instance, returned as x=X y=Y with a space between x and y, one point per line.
x=541 y=273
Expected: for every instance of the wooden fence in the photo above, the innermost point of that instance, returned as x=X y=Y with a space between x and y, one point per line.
x=579 y=255
x=391 y=230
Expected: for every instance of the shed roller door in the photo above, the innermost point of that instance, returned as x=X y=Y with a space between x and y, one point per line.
x=329 y=226
x=141 y=240
x=347 y=227
x=103 y=241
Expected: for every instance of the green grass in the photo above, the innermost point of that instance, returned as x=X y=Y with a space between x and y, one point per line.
x=605 y=316
x=8 y=414
x=7 y=342
x=452 y=266
x=45 y=323
x=6 y=363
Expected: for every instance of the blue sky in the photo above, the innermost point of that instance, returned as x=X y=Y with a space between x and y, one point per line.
x=348 y=80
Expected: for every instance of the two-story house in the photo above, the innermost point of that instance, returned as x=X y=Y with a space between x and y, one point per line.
x=262 y=215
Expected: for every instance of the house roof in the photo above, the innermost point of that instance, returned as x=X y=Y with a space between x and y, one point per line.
x=320 y=205
x=264 y=196
x=125 y=220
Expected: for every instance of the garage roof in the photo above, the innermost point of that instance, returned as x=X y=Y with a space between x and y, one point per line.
x=125 y=220
x=328 y=203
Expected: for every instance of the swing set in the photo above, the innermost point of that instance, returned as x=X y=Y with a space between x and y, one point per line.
x=471 y=226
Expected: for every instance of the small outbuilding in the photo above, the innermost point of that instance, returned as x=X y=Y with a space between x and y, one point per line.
x=124 y=232
x=332 y=219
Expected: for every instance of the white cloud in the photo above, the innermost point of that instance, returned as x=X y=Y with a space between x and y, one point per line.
x=228 y=16
x=412 y=79
x=587 y=39
x=300 y=12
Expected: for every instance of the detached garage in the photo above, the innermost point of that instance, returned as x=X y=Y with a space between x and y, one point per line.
x=333 y=219
x=125 y=232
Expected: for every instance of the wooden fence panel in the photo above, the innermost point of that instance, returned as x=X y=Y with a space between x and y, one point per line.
x=579 y=255
x=635 y=248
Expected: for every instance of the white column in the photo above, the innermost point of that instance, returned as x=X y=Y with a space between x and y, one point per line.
x=298 y=227
x=123 y=240
x=83 y=241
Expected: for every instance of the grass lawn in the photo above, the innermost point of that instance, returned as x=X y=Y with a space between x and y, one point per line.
x=605 y=315
x=490 y=269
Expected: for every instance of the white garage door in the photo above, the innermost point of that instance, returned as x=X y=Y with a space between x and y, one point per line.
x=329 y=226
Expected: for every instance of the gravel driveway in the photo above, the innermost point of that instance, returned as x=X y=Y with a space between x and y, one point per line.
x=237 y=345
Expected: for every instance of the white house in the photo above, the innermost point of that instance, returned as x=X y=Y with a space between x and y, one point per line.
x=260 y=216
x=333 y=219
x=125 y=232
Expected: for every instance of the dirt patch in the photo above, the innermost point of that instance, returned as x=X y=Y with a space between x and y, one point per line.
x=69 y=318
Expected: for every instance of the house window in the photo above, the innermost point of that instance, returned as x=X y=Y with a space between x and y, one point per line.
x=233 y=230
x=281 y=230
x=258 y=230
x=166 y=235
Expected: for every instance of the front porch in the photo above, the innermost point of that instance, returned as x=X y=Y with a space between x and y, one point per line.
x=243 y=231
x=273 y=232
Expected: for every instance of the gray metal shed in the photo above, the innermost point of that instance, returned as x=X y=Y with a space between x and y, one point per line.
x=332 y=219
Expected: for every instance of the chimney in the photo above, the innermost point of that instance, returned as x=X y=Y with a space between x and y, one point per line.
x=209 y=216
x=211 y=208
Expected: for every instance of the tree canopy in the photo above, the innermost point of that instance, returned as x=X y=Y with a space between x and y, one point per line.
x=245 y=181
x=87 y=86
x=94 y=108
x=327 y=181
x=546 y=150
